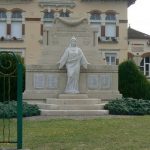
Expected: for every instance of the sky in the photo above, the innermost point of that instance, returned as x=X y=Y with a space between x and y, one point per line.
x=139 y=16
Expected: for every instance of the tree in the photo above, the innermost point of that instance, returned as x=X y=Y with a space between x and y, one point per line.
x=8 y=76
x=132 y=83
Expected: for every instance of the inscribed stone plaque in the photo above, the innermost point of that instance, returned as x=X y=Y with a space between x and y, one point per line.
x=105 y=81
x=52 y=81
x=39 y=81
x=92 y=82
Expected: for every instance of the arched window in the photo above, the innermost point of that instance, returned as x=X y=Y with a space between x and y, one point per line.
x=64 y=14
x=3 y=14
x=145 y=66
x=110 y=28
x=95 y=16
x=111 y=17
x=16 y=14
x=48 y=15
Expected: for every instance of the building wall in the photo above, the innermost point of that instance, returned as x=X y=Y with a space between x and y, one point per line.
x=33 y=14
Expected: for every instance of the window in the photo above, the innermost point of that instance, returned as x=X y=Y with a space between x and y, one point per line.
x=111 y=17
x=3 y=14
x=3 y=29
x=16 y=14
x=16 y=25
x=3 y=25
x=145 y=66
x=16 y=30
x=110 y=30
x=95 y=16
x=64 y=14
x=110 y=58
x=48 y=15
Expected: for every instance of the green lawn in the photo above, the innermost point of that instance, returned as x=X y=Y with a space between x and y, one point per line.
x=110 y=133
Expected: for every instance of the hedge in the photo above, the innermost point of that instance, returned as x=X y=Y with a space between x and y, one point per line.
x=9 y=110
x=128 y=106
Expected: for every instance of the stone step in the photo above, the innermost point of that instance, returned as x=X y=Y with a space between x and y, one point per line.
x=70 y=107
x=73 y=96
x=73 y=101
x=74 y=112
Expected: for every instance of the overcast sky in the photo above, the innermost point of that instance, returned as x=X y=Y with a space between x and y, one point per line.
x=139 y=16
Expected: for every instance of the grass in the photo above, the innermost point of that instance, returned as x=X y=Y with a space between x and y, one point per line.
x=110 y=133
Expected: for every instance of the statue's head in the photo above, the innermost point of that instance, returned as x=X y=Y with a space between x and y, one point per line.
x=73 y=42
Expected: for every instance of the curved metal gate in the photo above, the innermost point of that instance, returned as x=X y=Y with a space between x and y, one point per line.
x=10 y=71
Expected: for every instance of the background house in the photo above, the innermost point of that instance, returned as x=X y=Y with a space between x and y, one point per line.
x=139 y=49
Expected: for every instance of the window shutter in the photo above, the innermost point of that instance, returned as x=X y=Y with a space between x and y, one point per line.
x=23 y=29
x=117 y=61
x=41 y=29
x=102 y=30
x=8 y=29
x=117 y=31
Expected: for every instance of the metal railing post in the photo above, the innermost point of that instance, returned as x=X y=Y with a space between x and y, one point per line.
x=19 y=106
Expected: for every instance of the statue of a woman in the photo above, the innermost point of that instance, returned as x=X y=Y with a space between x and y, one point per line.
x=73 y=58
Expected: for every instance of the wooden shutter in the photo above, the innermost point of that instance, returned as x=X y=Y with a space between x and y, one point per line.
x=23 y=29
x=8 y=29
x=117 y=61
x=102 y=30
x=42 y=29
x=117 y=31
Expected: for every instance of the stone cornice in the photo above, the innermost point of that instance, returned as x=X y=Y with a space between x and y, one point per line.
x=57 y=3
x=130 y=2
x=9 y=2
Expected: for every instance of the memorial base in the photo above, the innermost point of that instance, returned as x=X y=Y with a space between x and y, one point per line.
x=45 y=81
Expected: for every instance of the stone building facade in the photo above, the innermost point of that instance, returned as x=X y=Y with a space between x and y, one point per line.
x=23 y=23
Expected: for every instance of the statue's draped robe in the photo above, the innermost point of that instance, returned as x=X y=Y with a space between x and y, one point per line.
x=73 y=58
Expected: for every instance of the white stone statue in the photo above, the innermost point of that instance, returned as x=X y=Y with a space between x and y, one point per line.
x=73 y=58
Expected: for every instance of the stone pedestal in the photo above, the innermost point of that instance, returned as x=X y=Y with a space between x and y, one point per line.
x=45 y=81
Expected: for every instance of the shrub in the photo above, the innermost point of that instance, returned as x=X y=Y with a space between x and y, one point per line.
x=132 y=83
x=9 y=110
x=8 y=66
x=128 y=106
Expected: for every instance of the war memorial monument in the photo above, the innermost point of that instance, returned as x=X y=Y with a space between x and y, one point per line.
x=69 y=79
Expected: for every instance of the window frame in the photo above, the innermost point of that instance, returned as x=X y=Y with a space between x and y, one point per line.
x=110 y=56
x=48 y=16
x=115 y=35
x=95 y=17
x=13 y=36
x=16 y=14
x=65 y=14
x=143 y=65
x=1 y=15
x=110 y=17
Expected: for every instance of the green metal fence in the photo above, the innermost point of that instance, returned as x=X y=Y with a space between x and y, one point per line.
x=10 y=71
